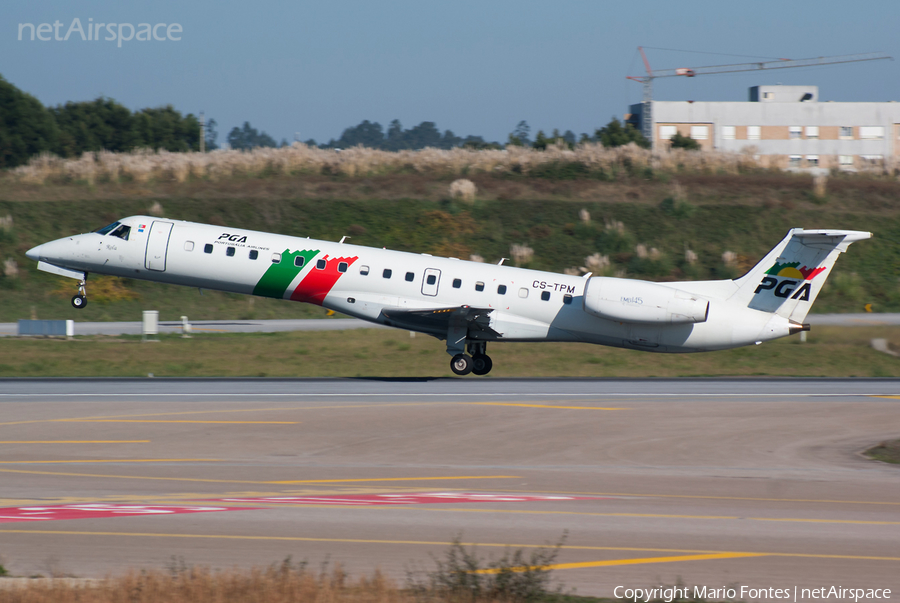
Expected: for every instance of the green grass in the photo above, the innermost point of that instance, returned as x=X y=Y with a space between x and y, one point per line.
x=829 y=352
x=888 y=452
x=745 y=214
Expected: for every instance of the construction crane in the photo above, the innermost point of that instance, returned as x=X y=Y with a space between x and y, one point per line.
x=647 y=80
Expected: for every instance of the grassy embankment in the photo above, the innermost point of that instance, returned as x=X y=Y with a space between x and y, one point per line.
x=630 y=217
x=829 y=352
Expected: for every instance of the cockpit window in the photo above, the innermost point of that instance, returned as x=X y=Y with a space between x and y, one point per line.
x=107 y=229
x=122 y=232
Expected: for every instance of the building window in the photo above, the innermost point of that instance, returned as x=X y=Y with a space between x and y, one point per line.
x=728 y=132
x=523 y=292
x=229 y=251
x=812 y=132
x=667 y=132
x=872 y=159
x=409 y=277
x=457 y=283
x=871 y=132
x=501 y=289
x=567 y=299
x=254 y=254
x=795 y=160
x=387 y=273
x=364 y=270
x=545 y=295
x=812 y=160
x=699 y=132
x=768 y=96
x=795 y=132
x=299 y=261
x=753 y=132
x=188 y=245
x=320 y=264
x=479 y=286
x=207 y=248
x=342 y=266
x=846 y=160
x=276 y=258
x=846 y=133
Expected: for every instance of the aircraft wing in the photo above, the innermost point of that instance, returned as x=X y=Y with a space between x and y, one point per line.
x=438 y=321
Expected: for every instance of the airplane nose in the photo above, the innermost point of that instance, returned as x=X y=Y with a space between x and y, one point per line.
x=34 y=253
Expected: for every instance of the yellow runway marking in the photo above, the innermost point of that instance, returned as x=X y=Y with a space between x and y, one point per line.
x=567 y=547
x=539 y=406
x=276 y=482
x=891 y=397
x=637 y=561
x=178 y=421
x=75 y=442
x=112 y=461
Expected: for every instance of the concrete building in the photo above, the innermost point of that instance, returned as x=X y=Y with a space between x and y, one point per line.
x=785 y=121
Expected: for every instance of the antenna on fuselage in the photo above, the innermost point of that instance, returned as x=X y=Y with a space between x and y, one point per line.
x=343 y=238
x=500 y=263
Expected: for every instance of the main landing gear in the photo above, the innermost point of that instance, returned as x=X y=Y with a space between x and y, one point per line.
x=479 y=362
x=79 y=301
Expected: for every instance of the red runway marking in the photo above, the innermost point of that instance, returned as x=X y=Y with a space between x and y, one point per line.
x=400 y=499
x=51 y=513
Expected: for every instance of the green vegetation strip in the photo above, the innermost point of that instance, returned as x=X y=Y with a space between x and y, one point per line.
x=888 y=452
x=829 y=352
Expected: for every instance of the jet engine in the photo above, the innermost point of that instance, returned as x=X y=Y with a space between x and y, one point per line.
x=627 y=300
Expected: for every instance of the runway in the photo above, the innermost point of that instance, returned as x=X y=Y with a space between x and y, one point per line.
x=716 y=482
x=9 y=329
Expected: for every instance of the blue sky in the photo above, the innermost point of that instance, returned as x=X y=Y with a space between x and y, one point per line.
x=475 y=67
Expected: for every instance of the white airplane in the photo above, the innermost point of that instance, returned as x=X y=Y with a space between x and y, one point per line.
x=465 y=303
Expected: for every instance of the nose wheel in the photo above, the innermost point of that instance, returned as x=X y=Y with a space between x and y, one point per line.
x=79 y=301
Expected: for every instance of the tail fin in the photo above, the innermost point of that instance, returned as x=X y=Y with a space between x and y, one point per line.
x=787 y=281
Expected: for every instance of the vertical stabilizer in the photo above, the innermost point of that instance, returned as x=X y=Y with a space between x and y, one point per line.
x=787 y=281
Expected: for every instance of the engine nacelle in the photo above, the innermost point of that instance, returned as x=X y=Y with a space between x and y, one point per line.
x=627 y=300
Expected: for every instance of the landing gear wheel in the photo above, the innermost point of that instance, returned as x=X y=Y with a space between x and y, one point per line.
x=461 y=364
x=79 y=301
x=481 y=364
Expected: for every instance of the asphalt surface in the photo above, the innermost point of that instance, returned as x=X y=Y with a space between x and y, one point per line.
x=710 y=482
x=339 y=324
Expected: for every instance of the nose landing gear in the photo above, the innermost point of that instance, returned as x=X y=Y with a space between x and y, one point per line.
x=79 y=301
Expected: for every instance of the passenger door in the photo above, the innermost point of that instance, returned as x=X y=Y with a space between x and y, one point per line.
x=157 y=245
x=430 y=281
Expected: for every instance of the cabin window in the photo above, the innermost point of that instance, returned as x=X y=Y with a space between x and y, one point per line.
x=523 y=292
x=299 y=261
x=188 y=245
x=207 y=248
x=479 y=286
x=276 y=257
x=342 y=267
x=409 y=277
x=122 y=232
x=432 y=279
x=567 y=299
x=387 y=273
x=320 y=264
x=457 y=283
x=229 y=251
x=364 y=270
x=501 y=289
x=254 y=254
x=545 y=295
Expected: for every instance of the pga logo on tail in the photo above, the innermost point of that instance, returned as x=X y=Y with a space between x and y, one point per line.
x=792 y=276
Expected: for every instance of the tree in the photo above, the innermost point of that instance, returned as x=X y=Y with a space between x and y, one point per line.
x=684 y=142
x=26 y=127
x=520 y=136
x=614 y=134
x=249 y=137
